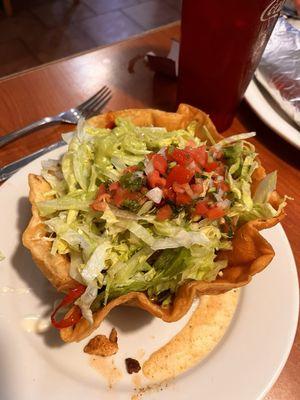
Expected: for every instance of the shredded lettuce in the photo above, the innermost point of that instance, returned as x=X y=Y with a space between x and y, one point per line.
x=95 y=265
x=86 y=300
x=234 y=138
x=265 y=188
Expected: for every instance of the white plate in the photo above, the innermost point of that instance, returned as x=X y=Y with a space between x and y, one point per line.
x=38 y=366
x=271 y=114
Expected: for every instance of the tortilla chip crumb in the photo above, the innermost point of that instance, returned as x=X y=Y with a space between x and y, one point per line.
x=113 y=337
x=102 y=346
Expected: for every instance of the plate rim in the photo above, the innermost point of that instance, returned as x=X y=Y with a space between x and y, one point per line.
x=253 y=95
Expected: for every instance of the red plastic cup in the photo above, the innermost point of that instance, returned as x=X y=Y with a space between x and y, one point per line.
x=221 y=45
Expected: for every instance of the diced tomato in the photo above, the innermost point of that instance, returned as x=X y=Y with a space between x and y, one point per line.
x=218 y=155
x=154 y=179
x=183 y=199
x=198 y=154
x=220 y=170
x=191 y=143
x=169 y=194
x=215 y=213
x=118 y=197
x=197 y=188
x=182 y=157
x=224 y=186
x=159 y=163
x=201 y=209
x=209 y=167
x=178 y=188
x=114 y=186
x=149 y=156
x=169 y=154
x=164 y=213
x=101 y=190
x=180 y=175
x=132 y=168
x=100 y=203
x=197 y=169
x=123 y=194
x=103 y=197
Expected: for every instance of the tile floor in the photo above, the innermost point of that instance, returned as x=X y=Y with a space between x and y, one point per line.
x=45 y=30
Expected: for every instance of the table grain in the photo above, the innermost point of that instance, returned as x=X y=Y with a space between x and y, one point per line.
x=52 y=88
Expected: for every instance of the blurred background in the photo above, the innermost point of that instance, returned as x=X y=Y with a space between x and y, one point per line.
x=33 y=32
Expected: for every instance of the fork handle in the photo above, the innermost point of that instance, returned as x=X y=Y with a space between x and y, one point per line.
x=29 y=128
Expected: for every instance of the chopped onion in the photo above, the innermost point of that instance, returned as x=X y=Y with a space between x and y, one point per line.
x=189 y=191
x=192 y=165
x=162 y=152
x=224 y=203
x=219 y=195
x=155 y=195
x=206 y=183
x=149 y=167
x=139 y=174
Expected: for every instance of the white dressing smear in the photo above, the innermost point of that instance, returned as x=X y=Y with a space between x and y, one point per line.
x=34 y=323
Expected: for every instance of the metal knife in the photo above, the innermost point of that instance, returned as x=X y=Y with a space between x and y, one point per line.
x=10 y=169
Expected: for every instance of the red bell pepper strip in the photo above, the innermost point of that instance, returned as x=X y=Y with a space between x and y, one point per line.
x=75 y=316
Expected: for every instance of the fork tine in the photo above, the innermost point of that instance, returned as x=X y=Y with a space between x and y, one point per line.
x=91 y=112
x=95 y=100
x=100 y=105
x=87 y=102
x=97 y=107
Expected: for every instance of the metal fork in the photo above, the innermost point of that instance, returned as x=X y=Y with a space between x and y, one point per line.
x=87 y=109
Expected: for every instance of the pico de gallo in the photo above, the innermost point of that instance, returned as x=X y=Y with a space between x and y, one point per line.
x=192 y=177
x=145 y=209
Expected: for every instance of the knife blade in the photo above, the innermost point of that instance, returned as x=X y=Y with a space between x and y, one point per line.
x=9 y=169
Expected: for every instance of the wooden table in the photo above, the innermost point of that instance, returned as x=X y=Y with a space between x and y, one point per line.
x=47 y=90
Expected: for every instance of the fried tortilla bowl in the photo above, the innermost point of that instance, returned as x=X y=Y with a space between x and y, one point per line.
x=250 y=253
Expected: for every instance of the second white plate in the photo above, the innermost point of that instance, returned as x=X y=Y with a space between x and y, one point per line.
x=271 y=114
